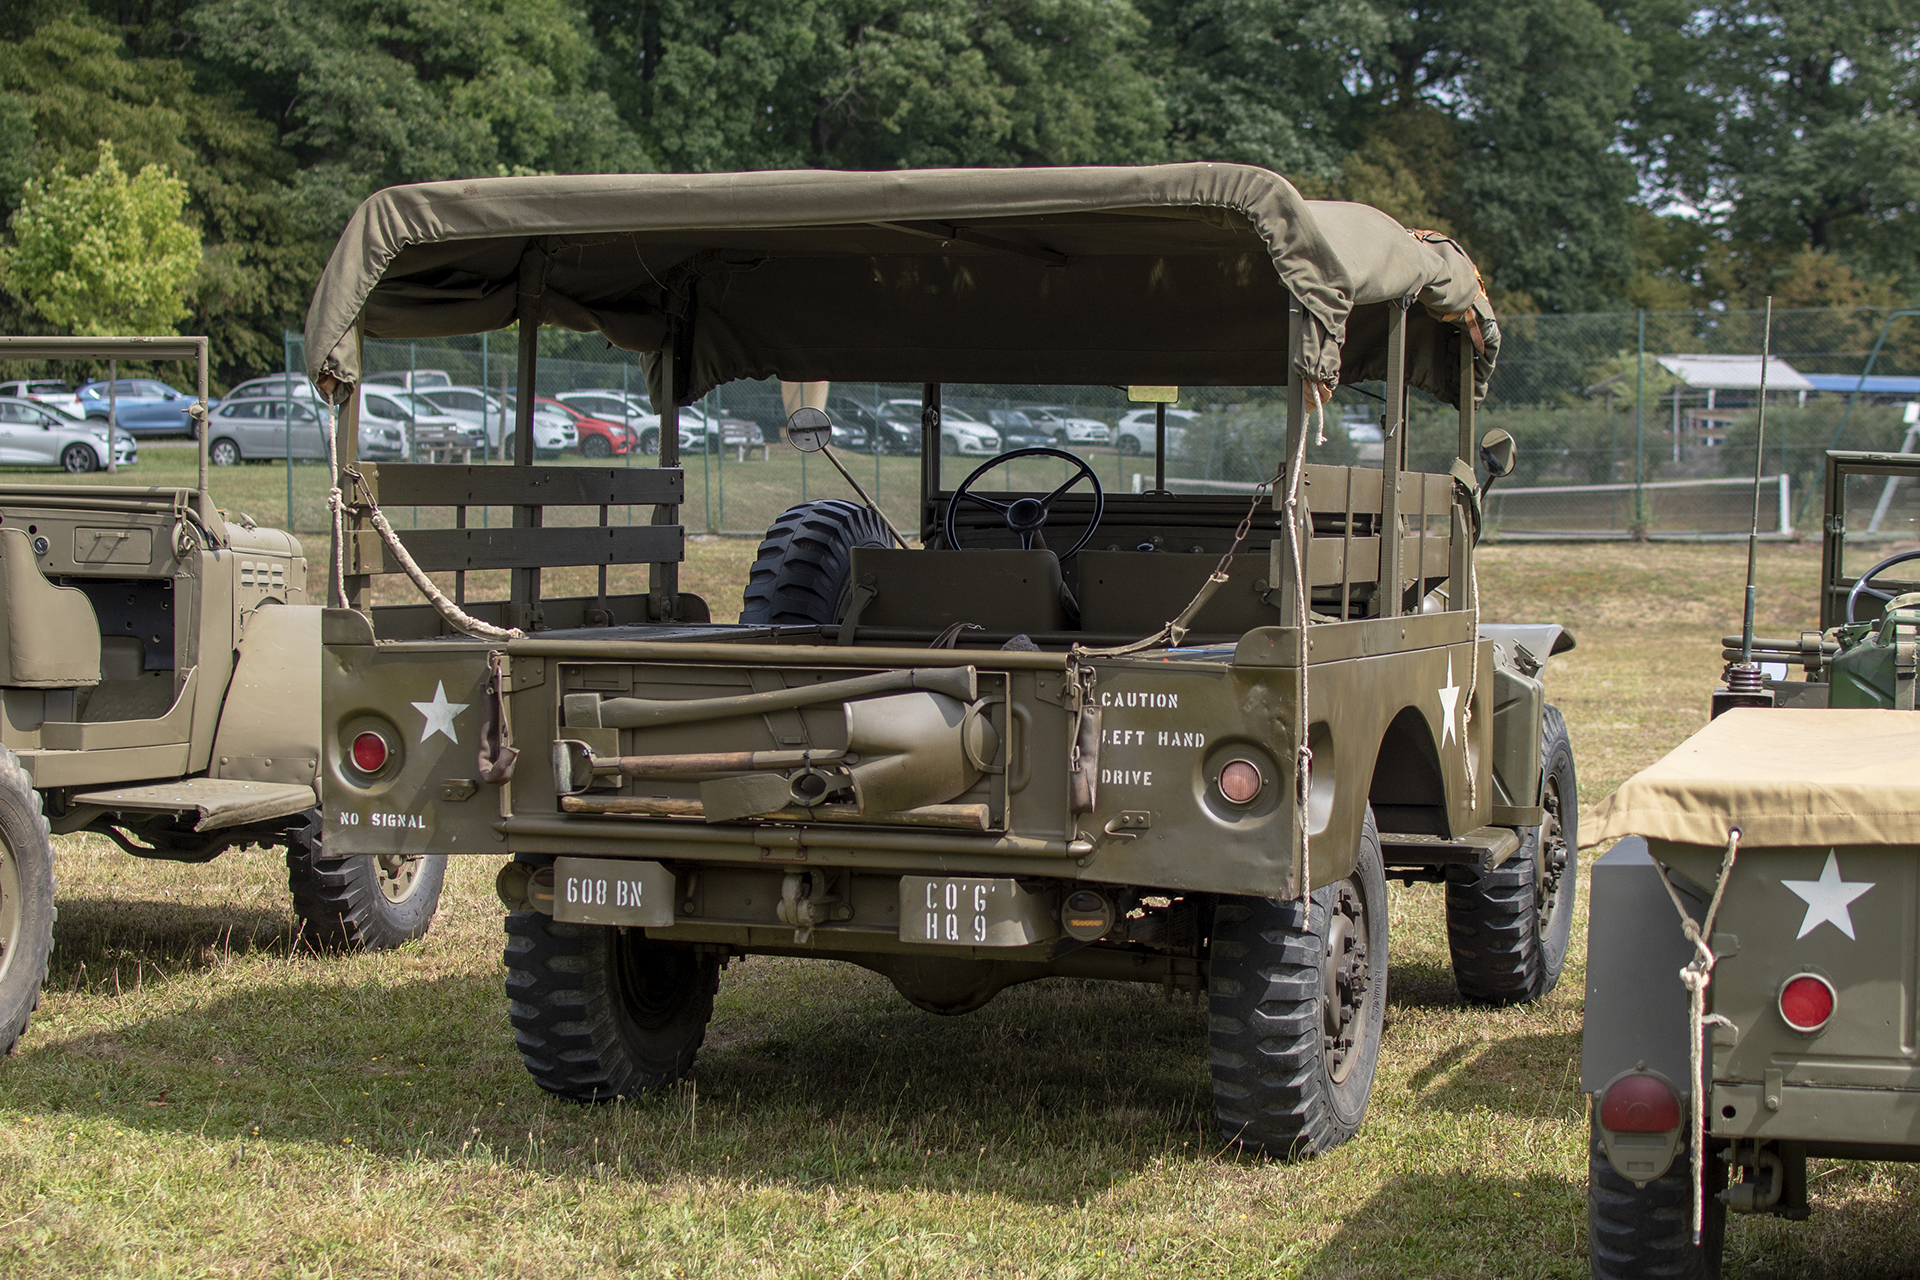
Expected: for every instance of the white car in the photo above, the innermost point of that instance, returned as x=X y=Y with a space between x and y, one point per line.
x=417 y=380
x=482 y=408
x=1065 y=428
x=35 y=435
x=960 y=432
x=1134 y=435
x=42 y=391
x=723 y=429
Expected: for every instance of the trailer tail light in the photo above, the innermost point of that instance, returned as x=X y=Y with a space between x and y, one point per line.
x=1640 y=1104
x=370 y=752
x=1806 y=1002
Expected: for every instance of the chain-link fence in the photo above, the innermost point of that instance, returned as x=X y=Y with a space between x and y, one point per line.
x=1618 y=437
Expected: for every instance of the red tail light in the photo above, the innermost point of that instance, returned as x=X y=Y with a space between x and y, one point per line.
x=1806 y=1002
x=370 y=752
x=1639 y=1104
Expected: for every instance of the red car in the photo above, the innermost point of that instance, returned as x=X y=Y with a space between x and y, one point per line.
x=598 y=438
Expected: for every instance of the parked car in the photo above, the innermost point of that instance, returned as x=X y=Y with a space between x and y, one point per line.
x=35 y=435
x=414 y=380
x=44 y=391
x=1134 y=435
x=482 y=407
x=257 y=427
x=1065 y=428
x=598 y=437
x=1018 y=431
x=1368 y=441
x=141 y=406
x=960 y=431
x=422 y=423
x=894 y=432
x=630 y=411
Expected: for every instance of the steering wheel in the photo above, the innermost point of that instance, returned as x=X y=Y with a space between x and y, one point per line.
x=1860 y=584
x=1026 y=516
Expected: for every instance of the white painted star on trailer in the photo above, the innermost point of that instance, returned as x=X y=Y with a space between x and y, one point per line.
x=1828 y=899
x=1449 y=705
x=440 y=714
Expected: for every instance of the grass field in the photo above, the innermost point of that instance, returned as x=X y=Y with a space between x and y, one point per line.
x=194 y=1099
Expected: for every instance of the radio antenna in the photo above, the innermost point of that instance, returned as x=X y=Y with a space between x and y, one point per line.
x=1753 y=531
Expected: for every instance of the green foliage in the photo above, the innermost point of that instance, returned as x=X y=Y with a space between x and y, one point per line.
x=102 y=254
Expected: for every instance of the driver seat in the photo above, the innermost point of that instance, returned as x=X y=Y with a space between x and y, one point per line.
x=1002 y=591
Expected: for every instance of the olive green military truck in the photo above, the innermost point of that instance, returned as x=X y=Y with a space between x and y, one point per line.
x=1783 y=837
x=159 y=676
x=1165 y=738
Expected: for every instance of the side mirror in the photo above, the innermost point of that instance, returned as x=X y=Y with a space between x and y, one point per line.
x=1498 y=454
x=809 y=430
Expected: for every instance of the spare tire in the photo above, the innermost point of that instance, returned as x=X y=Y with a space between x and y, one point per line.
x=801 y=571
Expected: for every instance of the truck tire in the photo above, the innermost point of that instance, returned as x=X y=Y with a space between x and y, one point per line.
x=354 y=903
x=1508 y=928
x=26 y=900
x=801 y=571
x=600 y=1013
x=1297 y=997
x=1643 y=1231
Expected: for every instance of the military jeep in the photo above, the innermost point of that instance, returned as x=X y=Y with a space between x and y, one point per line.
x=1178 y=739
x=1782 y=836
x=159 y=673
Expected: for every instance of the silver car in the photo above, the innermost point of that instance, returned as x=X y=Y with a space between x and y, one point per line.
x=35 y=435
x=1065 y=427
x=243 y=430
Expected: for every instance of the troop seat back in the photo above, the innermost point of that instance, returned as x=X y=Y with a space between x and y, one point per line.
x=931 y=590
x=1129 y=592
x=51 y=635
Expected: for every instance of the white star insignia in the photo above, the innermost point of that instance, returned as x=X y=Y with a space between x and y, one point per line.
x=440 y=714
x=1827 y=898
x=1449 y=704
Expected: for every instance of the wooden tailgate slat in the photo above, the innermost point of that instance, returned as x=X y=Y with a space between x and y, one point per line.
x=427 y=485
x=439 y=550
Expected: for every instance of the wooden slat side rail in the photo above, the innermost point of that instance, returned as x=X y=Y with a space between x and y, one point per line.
x=419 y=484
x=460 y=550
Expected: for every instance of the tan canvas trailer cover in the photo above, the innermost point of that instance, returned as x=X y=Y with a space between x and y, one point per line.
x=1173 y=274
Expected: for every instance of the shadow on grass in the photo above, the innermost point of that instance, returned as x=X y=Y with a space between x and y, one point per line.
x=104 y=933
x=813 y=1074
x=1421 y=985
x=1486 y=1226
x=1525 y=1075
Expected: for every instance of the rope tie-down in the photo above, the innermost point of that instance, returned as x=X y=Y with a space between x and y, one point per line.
x=1697 y=975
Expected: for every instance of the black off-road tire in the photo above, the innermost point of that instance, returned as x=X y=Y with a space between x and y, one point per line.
x=1281 y=1086
x=1508 y=929
x=600 y=1013
x=353 y=903
x=1637 y=1233
x=801 y=571
x=26 y=900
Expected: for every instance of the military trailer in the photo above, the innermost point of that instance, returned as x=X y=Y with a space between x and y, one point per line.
x=159 y=675
x=1177 y=739
x=1782 y=837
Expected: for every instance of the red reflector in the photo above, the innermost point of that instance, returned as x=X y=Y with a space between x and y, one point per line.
x=1806 y=1002
x=1639 y=1104
x=369 y=752
x=1240 y=781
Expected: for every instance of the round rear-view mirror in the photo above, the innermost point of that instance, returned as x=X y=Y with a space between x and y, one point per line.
x=1498 y=453
x=809 y=430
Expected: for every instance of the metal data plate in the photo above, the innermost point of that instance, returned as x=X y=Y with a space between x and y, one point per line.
x=612 y=891
x=969 y=912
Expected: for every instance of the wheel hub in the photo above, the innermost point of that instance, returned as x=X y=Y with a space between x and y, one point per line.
x=1551 y=859
x=396 y=875
x=1344 y=979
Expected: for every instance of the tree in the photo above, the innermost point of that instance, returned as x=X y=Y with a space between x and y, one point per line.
x=102 y=254
x=1786 y=124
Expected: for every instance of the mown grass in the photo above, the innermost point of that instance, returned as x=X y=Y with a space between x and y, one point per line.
x=195 y=1099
